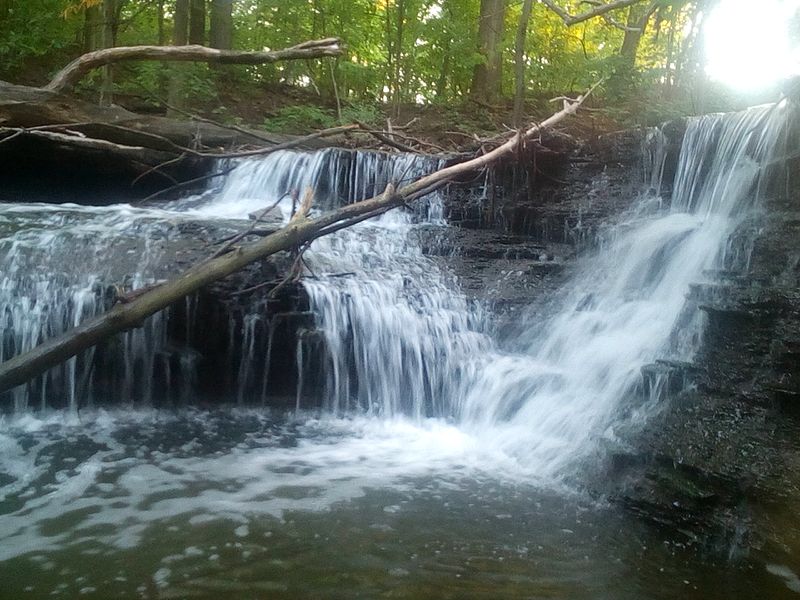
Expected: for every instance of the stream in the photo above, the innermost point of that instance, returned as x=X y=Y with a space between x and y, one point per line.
x=440 y=461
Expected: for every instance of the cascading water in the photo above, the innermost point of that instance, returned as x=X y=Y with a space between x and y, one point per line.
x=56 y=263
x=240 y=503
x=395 y=329
x=570 y=381
x=398 y=338
x=400 y=341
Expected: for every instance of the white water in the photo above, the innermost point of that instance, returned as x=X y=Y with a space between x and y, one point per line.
x=55 y=264
x=403 y=342
x=570 y=385
x=404 y=345
x=401 y=339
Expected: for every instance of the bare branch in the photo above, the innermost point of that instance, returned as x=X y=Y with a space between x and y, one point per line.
x=386 y=138
x=599 y=10
x=78 y=68
x=286 y=145
x=621 y=26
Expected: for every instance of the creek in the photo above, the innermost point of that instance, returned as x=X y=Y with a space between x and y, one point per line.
x=420 y=454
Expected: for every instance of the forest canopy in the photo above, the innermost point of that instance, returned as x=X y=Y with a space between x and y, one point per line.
x=398 y=51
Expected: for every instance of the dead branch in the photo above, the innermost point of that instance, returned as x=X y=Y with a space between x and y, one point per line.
x=599 y=10
x=184 y=184
x=300 y=231
x=297 y=142
x=229 y=242
x=331 y=131
x=76 y=139
x=157 y=169
x=419 y=142
x=78 y=68
x=386 y=138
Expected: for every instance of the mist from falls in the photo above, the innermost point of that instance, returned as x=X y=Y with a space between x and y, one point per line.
x=400 y=339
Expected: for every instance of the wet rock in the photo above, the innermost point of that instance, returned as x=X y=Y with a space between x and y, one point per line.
x=720 y=459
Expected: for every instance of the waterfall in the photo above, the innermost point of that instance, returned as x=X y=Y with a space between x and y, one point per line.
x=570 y=383
x=393 y=334
x=396 y=329
x=400 y=339
x=56 y=263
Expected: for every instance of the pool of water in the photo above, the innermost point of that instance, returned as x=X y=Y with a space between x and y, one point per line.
x=248 y=504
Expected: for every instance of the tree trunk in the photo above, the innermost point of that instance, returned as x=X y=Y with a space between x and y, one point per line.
x=221 y=28
x=197 y=22
x=162 y=32
x=109 y=41
x=637 y=22
x=487 y=76
x=670 y=57
x=398 y=55
x=519 y=61
x=441 y=84
x=180 y=37
x=622 y=82
x=92 y=20
x=389 y=53
x=180 y=21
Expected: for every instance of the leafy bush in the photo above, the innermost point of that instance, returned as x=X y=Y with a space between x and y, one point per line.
x=363 y=113
x=299 y=119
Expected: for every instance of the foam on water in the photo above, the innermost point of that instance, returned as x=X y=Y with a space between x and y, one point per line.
x=135 y=469
x=403 y=345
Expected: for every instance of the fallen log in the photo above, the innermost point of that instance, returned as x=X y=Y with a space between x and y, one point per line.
x=26 y=107
x=300 y=231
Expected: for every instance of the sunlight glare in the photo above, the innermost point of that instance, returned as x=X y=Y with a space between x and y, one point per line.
x=747 y=44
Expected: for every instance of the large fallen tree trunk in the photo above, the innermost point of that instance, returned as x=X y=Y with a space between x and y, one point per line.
x=45 y=129
x=35 y=107
x=301 y=230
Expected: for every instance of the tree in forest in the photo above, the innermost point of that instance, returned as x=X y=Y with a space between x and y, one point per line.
x=197 y=22
x=110 y=16
x=220 y=33
x=639 y=12
x=487 y=76
x=180 y=37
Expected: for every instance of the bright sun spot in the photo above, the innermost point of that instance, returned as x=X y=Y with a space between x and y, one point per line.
x=748 y=44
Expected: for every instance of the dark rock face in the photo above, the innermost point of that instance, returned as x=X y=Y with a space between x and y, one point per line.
x=557 y=191
x=518 y=228
x=718 y=465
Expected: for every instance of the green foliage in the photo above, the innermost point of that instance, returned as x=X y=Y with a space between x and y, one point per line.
x=32 y=29
x=398 y=51
x=368 y=113
x=303 y=117
x=299 y=119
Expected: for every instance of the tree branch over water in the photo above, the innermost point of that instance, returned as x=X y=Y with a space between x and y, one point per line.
x=301 y=230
